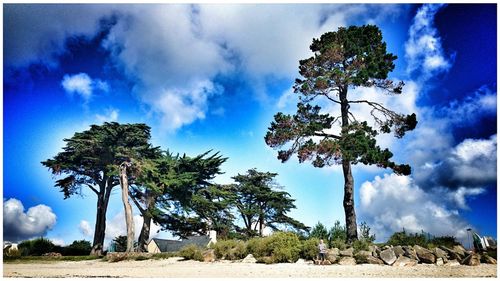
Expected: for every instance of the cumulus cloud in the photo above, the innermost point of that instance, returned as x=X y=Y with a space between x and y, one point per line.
x=111 y=115
x=20 y=225
x=81 y=84
x=85 y=228
x=423 y=50
x=391 y=203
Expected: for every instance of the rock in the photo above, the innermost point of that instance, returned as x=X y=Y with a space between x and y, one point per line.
x=439 y=261
x=451 y=253
x=347 y=252
x=487 y=259
x=472 y=260
x=326 y=262
x=364 y=253
x=410 y=253
x=209 y=255
x=398 y=251
x=388 y=256
x=405 y=261
x=373 y=249
x=347 y=261
x=440 y=253
x=452 y=263
x=249 y=259
x=361 y=256
x=52 y=254
x=332 y=254
x=373 y=260
x=460 y=250
x=424 y=255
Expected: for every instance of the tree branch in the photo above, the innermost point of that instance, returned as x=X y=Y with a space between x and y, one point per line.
x=92 y=188
x=138 y=205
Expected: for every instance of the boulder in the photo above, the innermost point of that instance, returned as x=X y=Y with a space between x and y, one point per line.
x=410 y=252
x=334 y=251
x=424 y=255
x=332 y=254
x=299 y=261
x=487 y=259
x=361 y=256
x=439 y=261
x=388 y=256
x=405 y=261
x=364 y=253
x=472 y=260
x=452 y=263
x=52 y=254
x=373 y=260
x=347 y=252
x=347 y=261
x=332 y=259
x=451 y=253
x=249 y=259
x=398 y=251
x=209 y=255
x=326 y=262
x=373 y=249
x=460 y=250
x=440 y=253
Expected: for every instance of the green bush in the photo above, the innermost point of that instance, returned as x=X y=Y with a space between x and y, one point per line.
x=191 y=252
x=35 y=247
x=230 y=249
x=309 y=249
x=339 y=243
x=259 y=247
x=285 y=247
x=361 y=245
x=78 y=248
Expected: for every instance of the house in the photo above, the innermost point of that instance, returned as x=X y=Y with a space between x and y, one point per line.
x=157 y=245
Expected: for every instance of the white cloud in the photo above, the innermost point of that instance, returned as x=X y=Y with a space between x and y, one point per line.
x=392 y=203
x=58 y=241
x=423 y=50
x=19 y=225
x=85 y=228
x=116 y=226
x=82 y=85
x=111 y=115
x=459 y=195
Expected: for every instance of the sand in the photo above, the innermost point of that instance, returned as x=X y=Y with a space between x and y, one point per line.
x=173 y=267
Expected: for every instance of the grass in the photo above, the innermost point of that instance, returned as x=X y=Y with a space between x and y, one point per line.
x=38 y=259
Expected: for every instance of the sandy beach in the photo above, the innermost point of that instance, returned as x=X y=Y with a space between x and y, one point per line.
x=174 y=268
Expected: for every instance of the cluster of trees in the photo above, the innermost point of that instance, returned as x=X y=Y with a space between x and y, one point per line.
x=176 y=192
x=40 y=246
x=336 y=236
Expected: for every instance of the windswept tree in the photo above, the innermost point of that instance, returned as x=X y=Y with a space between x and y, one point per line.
x=260 y=204
x=99 y=159
x=343 y=60
x=166 y=187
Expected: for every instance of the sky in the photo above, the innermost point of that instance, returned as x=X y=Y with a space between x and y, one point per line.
x=211 y=77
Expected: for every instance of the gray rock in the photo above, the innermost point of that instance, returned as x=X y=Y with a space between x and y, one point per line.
x=388 y=256
x=410 y=252
x=331 y=258
x=364 y=253
x=361 y=256
x=439 y=261
x=472 y=260
x=326 y=262
x=451 y=253
x=347 y=252
x=301 y=261
x=460 y=250
x=249 y=259
x=405 y=261
x=373 y=260
x=347 y=261
x=440 y=253
x=398 y=251
x=332 y=254
x=424 y=255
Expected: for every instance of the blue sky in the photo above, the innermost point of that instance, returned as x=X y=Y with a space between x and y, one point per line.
x=212 y=77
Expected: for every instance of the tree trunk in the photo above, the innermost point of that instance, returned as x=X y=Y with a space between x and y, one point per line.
x=129 y=219
x=261 y=225
x=350 y=214
x=146 y=223
x=100 y=224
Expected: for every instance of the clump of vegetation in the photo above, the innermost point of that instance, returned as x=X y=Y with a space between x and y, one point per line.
x=191 y=252
x=422 y=239
x=36 y=247
x=258 y=247
x=77 y=248
x=159 y=256
x=309 y=249
x=230 y=249
x=285 y=247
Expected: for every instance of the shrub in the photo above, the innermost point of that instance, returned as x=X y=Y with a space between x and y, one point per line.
x=339 y=243
x=285 y=247
x=309 y=249
x=361 y=245
x=230 y=249
x=337 y=232
x=78 y=248
x=35 y=247
x=319 y=231
x=191 y=252
x=259 y=247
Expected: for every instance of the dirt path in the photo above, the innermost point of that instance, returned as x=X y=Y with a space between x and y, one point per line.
x=174 y=268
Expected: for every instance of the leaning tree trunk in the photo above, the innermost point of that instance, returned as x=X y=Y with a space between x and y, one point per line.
x=146 y=223
x=350 y=214
x=100 y=224
x=129 y=219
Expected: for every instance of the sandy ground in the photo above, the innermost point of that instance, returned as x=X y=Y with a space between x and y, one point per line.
x=168 y=268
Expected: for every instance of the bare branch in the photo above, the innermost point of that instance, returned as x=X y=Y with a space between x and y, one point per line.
x=92 y=188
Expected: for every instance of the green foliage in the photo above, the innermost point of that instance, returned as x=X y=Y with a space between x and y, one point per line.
x=285 y=247
x=309 y=250
x=159 y=256
x=319 y=231
x=191 y=252
x=339 y=244
x=259 y=247
x=422 y=239
x=337 y=233
x=120 y=243
x=365 y=235
x=36 y=247
x=361 y=245
x=78 y=248
x=230 y=249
